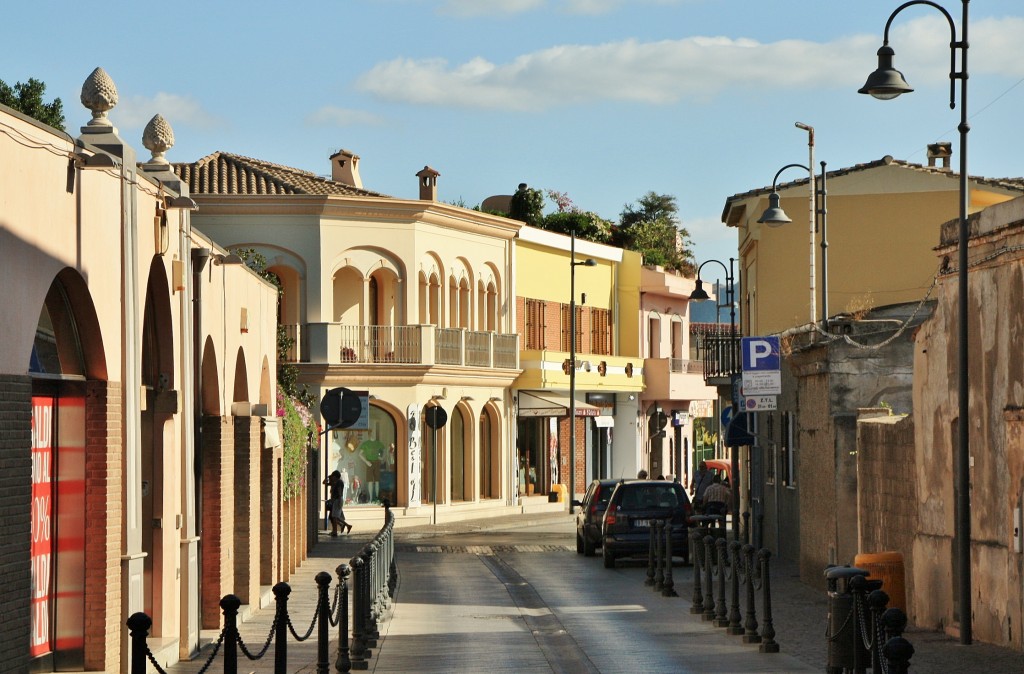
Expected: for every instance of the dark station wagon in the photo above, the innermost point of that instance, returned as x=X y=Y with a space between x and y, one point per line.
x=633 y=506
x=590 y=516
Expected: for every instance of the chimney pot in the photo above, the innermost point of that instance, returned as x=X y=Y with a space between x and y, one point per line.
x=428 y=183
x=345 y=169
x=943 y=151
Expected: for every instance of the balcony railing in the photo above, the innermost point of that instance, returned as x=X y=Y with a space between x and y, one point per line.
x=334 y=343
x=721 y=356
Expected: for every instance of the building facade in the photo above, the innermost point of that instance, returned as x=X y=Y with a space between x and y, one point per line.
x=136 y=443
x=408 y=303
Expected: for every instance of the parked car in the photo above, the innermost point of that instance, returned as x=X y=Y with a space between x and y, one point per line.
x=590 y=516
x=631 y=509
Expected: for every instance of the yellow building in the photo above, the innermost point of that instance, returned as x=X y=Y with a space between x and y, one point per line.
x=607 y=373
x=882 y=227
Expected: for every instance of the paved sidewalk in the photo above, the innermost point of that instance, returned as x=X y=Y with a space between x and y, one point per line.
x=799 y=614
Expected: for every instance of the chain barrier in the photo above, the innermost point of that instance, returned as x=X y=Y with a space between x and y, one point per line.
x=376 y=581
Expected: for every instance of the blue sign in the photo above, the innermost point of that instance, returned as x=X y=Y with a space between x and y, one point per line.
x=760 y=354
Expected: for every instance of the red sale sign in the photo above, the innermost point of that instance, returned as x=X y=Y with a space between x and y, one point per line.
x=41 y=549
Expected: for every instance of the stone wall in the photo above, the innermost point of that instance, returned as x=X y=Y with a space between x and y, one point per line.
x=15 y=496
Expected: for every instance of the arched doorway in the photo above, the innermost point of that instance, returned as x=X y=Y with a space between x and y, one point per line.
x=432 y=465
x=490 y=454
x=368 y=459
x=66 y=352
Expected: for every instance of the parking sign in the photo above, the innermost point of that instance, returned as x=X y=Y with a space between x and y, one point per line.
x=762 y=375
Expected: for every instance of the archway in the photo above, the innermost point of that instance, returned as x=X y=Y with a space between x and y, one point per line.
x=490 y=453
x=67 y=351
x=433 y=463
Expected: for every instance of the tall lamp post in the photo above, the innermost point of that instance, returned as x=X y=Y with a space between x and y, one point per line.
x=589 y=262
x=774 y=216
x=886 y=83
x=701 y=295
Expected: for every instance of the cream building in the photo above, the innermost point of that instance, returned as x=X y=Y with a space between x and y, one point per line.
x=108 y=508
x=406 y=302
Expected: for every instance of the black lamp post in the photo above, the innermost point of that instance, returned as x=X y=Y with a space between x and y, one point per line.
x=701 y=295
x=589 y=262
x=774 y=216
x=885 y=83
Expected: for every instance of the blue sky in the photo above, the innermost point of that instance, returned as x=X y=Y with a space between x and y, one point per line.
x=601 y=99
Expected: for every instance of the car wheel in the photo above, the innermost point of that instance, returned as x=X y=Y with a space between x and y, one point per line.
x=609 y=558
x=589 y=549
x=579 y=544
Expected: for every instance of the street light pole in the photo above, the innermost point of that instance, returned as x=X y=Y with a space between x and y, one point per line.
x=572 y=363
x=886 y=83
x=701 y=295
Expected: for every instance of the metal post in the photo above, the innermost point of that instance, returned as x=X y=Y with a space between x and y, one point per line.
x=138 y=627
x=323 y=609
x=359 y=652
x=572 y=369
x=343 y=663
x=669 y=588
x=823 y=218
x=281 y=592
x=768 y=643
x=697 y=603
x=721 y=615
x=735 y=626
x=750 y=635
x=709 y=586
x=651 y=552
x=230 y=605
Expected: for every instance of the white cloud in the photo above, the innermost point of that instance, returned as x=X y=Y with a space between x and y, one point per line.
x=334 y=116
x=136 y=111
x=693 y=68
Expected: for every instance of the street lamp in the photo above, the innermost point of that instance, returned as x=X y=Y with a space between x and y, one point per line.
x=774 y=216
x=885 y=83
x=701 y=295
x=589 y=262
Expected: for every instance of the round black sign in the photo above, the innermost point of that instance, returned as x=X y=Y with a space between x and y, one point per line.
x=435 y=416
x=340 y=408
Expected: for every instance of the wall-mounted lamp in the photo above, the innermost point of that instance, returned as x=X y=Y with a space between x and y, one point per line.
x=438 y=397
x=100 y=160
x=495 y=399
x=186 y=203
x=230 y=258
x=467 y=398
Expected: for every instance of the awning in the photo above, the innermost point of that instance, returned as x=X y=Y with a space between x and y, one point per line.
x=547 y=404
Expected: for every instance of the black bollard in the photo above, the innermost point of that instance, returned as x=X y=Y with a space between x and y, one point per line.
x=323 y=610
x=750 y=635
x=670 y=587
x=897 y=651
x=877 y=601
x=372 y=634
x=695 y=556
x=658 y=527
x=721 y=616
x=651 y=554
x=735 y=618
x=230 y=605
x=359 y=652
x=138 y=630
x=768 y=643
x=281 y=593
x=709 y=586
x=343 y=663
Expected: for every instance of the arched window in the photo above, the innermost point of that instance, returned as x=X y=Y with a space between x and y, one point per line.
x=490 y=453
x=458 y=455
x=368 y=460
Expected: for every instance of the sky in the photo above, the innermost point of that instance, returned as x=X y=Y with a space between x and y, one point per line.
x=603 y=100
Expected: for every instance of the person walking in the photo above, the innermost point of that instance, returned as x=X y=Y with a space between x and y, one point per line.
x=698 y=485
x=717 y=497
x=334 y=505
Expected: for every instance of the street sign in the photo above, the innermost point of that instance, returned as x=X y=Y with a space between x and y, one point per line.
x=760 y=403
x=760 y=354
x=762 y=375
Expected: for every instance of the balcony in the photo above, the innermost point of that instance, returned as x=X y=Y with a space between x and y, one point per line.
x=675 y=379
x=420 y=345
x=720 y=355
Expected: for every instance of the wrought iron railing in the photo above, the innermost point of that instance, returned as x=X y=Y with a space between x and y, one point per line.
x=720 y=356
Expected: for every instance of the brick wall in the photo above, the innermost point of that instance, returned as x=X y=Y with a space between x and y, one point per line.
x=270 y=514
x=15 y=498
x=104 y=469
x=247 y=509
x=218 y=517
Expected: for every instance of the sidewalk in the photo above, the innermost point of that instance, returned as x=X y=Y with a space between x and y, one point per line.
x=799 y=612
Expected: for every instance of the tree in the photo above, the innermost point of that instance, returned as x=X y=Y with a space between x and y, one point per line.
x=527 y=205
x=586 y=224
x=27 y=98
x=652 y=229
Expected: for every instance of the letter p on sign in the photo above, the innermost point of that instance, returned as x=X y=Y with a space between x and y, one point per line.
x=760 y=354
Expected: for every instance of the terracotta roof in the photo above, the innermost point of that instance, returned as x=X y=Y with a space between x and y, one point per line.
x=223 y=173
x=1015 y=184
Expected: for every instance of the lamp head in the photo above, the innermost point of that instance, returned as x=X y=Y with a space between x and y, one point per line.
x=886 y=82
x=774 y=216
x=699 y=294
x=589 y=262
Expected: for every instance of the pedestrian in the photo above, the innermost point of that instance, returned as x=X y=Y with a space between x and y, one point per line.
x=641 y=475
x=699 y=484
x=334 y=507
x=717 y=497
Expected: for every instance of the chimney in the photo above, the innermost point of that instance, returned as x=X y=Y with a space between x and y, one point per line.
x=345 y=169
x=428 y=183
x=943 y=151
